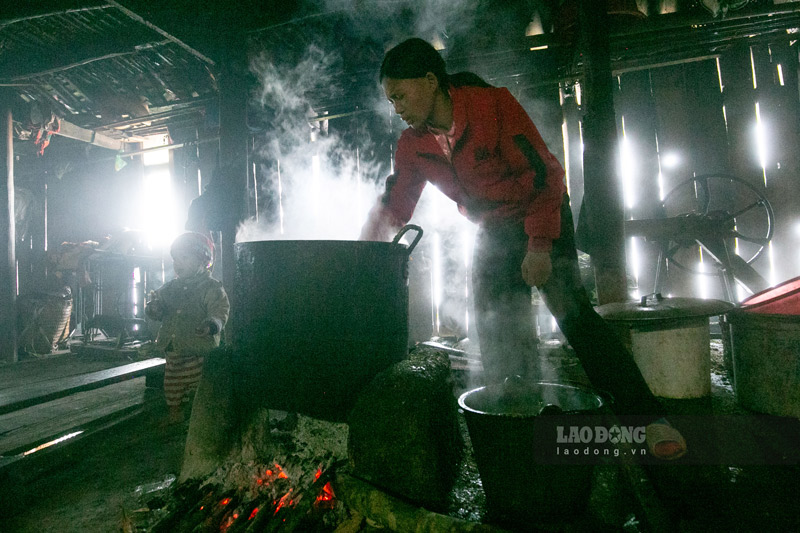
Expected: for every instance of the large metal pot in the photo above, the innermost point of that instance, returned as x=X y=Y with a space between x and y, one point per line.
x=670 y=341
x=315 y=321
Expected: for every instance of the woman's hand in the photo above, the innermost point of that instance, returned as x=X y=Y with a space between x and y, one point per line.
x=536 y=268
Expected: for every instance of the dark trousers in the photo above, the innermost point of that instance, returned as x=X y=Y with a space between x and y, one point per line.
x=504 y=316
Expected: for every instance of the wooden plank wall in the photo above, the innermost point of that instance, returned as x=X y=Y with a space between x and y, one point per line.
x=682 y=111
x=778 y=105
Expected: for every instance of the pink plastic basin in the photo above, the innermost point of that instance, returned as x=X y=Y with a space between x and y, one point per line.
x=782 y=299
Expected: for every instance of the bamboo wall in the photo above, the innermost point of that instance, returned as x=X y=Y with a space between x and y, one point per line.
x=701 y=118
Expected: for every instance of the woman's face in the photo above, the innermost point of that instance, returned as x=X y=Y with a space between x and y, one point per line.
x=412 y=99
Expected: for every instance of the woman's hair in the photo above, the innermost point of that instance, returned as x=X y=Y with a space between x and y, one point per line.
x=467 y=79
x=414 y=58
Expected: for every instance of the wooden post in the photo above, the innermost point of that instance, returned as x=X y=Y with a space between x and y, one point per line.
x=635 y=106
x=602 y=191
x=233 y=137
x=8 y=274
x=573 y=158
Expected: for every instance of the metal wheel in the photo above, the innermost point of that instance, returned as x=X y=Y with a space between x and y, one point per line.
x=730 y=208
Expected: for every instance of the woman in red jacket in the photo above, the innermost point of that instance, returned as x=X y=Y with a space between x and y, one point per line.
x=478 y=146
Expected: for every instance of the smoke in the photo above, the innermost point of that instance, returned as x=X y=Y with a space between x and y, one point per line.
x=318 y=178
x=316 y=186
x=390 y=21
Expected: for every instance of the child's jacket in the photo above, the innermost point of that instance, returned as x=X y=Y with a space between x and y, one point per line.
x=188 y=303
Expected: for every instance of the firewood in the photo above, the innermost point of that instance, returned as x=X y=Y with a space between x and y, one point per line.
x=267 y=513
x=126 y=523
x=248 y=513
x=219 y=510
x=397 y=515
x=261 y=519
x=278 y=496
x=183 y=502
x=198 y=512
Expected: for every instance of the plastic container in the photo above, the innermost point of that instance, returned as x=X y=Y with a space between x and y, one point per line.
x=766 y=361
x=782 y=299
x=670 y=341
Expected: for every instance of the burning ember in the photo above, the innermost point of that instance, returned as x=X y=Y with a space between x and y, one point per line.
x=276 y=500
x=326 y=498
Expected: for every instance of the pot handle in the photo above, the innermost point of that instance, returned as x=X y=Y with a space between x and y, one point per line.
x=403 y=231
x=656 y=295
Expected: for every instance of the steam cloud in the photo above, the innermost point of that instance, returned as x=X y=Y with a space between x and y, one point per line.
x=318 y=185
x=391 y=21
x=320 y=188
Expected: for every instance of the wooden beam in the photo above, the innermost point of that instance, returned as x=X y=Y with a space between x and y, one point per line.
x=602 y=194
x=8 y=274
x=23 y=430
x=62 y=68
x=168 y=147
x=15 y=20
x=660 y=64
x=233 y=139
x=155 y=28
x=71 y=131
x=193 y=106
x=38 y=393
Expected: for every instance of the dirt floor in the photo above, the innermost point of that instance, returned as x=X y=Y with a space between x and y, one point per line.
x=94 y=485
x=98 y=484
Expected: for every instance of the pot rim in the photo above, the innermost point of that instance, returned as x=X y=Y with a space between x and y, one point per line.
x=663 y=309
x=352 y=242
x=772 y=294
x=604 y=401
x=395 y=243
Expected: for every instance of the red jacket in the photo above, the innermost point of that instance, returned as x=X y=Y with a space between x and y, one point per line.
x=501 y=169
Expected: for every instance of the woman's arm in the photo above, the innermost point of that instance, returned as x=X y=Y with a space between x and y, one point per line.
x=395 y=206
x=543 y=213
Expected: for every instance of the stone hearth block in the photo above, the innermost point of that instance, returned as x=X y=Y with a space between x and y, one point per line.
x=214 y=424
x=404 y=434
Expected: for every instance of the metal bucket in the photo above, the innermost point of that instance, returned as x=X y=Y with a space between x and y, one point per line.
x=766 y=361
x=315 y=321
x=511 y=440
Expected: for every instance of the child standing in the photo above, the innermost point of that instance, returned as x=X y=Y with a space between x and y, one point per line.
x=193 y=308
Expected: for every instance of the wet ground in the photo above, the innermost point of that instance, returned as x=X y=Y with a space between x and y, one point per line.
x=96 y=485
